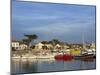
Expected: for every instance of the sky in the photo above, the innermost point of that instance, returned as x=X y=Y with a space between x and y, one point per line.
x=65 y=22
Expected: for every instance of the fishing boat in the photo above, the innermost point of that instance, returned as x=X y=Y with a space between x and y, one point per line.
x=85 y=56
x=88 y=56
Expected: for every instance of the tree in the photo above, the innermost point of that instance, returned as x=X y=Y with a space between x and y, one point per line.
x=55 y=41
x=26 y=41
x=44 y=42
x=30 y=38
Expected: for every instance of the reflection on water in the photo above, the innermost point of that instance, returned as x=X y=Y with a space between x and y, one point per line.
x=20 y=66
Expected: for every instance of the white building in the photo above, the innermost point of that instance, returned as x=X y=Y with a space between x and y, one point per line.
x=66 y=46
x=23 y=46
x=39 y=46
x=15 y=44
x=57 y=46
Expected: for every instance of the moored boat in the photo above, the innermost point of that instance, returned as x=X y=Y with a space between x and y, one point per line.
x=85 y=56
x=64 y=57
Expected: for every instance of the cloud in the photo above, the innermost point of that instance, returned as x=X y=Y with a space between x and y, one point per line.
x=61 y=27
x=55 y=28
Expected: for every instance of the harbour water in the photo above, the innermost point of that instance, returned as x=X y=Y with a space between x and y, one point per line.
x=21 y=66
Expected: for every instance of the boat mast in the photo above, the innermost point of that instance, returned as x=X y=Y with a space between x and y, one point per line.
x=83 y=41
x=83 y=44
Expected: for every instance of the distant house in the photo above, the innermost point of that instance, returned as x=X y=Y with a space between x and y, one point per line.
x=58 y=46
x=65 y=47
x=49 y=46
x=15 y=44
x=18 y=45
x=76 y=45
x=23 y=46
x=43 y=46
x=39 y=46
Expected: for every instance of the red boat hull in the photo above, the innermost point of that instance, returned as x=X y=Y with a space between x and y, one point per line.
x=64 y=57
